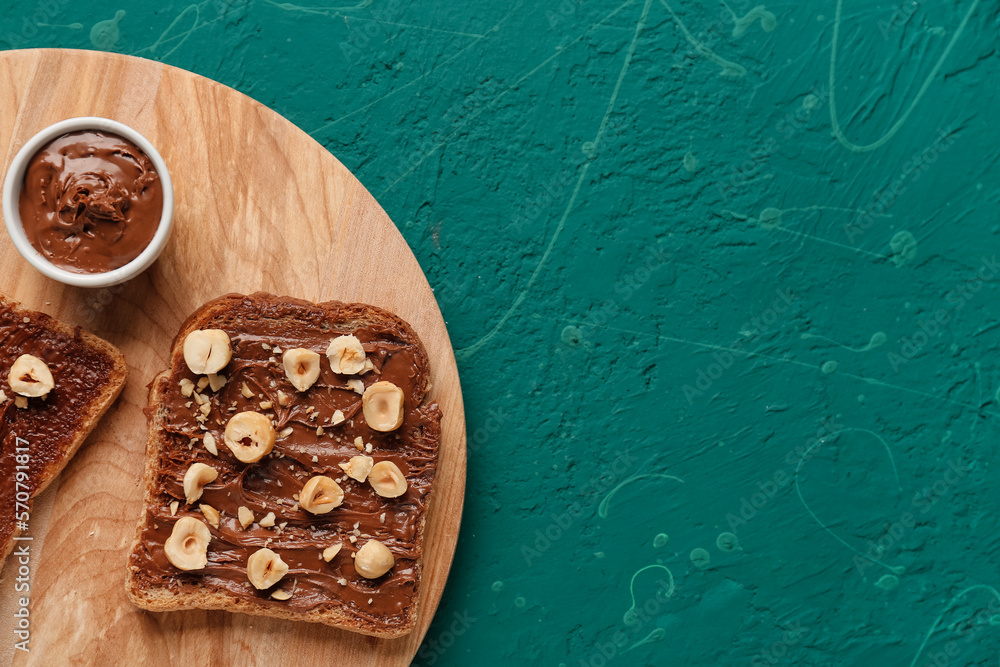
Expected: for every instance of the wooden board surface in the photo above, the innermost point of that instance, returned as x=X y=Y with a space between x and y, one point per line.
x=259 y=205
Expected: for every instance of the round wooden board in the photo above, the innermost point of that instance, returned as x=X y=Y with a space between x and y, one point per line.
x=259 y=206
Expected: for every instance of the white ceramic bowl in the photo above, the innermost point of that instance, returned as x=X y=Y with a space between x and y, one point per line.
x=12 y=217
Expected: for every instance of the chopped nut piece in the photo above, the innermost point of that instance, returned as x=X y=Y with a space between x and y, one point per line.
x=358 y=467
x=331 y=551
x=210 y=445
x=368 y=447
x=211 y=514
x=246 y=391
x=202 y=383
x=383 y=406
x=187 y=546
x=315 y=459
x=216 y=382
x=200 y=399
x=277 y=350
x=281 y=594
x=373 y=560
x=195 y=479
x=267 y=521
x=338 y=417
x=205 y=409
x=342 y=581
x=320 y=495
x=285 y=432
x=356 y=385
x=245 y=516
x=3 y=396
x=266 y=346
x=359 y=443
x=266 y=405
x=381 y=517
x=369 y=366
x=353 y=539
x=282 y=399
x=30 y=376
x=319 y=431
x=173 y=507
x=187 y=388
x=21 y=402
x=265 y=568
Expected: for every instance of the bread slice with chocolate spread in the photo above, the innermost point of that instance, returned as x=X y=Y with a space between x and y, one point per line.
x=56 y=382
x=289 y=465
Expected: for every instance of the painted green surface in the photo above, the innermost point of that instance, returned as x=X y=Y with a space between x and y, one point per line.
x=726 y=319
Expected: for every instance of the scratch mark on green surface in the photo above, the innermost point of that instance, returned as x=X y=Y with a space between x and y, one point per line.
x=949 y=607
x=877 y=340
x=466 y=353
x=771 y=218
x=895 y=569
x=837 y=131
x=602 y=509
x=183 y=36
x=793 y=362
x=630 y=615
x=338 y=12
x=728 y=67
x=656 y=635
x=768 y=21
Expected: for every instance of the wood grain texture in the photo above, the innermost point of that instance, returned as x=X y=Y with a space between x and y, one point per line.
x=259 y=206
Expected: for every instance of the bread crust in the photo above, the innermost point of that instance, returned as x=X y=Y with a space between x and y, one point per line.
x=156 y=597
x=94 y=409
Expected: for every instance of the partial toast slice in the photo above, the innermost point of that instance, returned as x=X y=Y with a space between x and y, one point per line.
x=318 y=429
x=40 y=438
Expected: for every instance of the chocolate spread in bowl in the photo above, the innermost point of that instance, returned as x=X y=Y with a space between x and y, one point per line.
x=91 y=201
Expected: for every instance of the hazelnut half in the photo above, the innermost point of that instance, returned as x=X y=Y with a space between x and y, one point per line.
x=346 y=355
x=320 y=495
x=358 y=467
x=383 y=406
x=301 y=367
x=187 y=546
x=29 y=376
x=195 y=479
x=207 y=351
x=250 y=436
x=265 y=568
x=387 y=479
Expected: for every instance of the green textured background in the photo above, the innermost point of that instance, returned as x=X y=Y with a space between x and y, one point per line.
x=683 y=305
